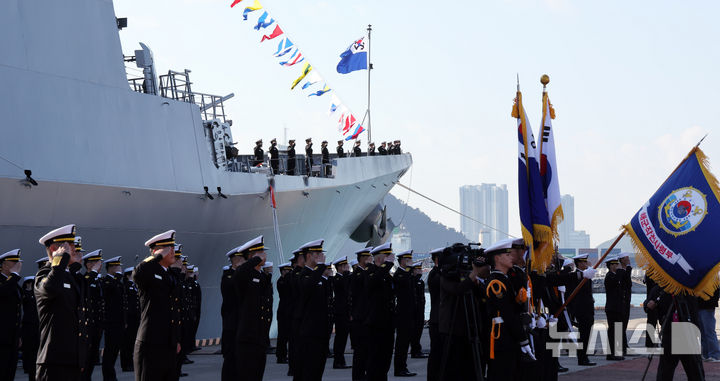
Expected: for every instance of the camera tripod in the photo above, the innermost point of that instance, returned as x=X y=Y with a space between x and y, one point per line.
x=473 y=334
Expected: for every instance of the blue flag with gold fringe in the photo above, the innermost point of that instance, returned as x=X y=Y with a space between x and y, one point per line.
x=675 y=232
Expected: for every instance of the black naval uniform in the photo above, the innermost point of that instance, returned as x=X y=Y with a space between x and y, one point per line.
x=415 y=346
x=371 y=151
x=381 y=314
x=196 y=303
x=259 y=155
x=341 y=288
x=159 y=331
x=652 y=318
x=313 y=323
x=357 y=152
x=274 y=159
x=582 y=309
x=680 y=308
x=404 y=287
x=131 y=310
x=627 y=294
x=382 y=151
x=10 y=318
x=186 y=320
x=330 y=297
x=30 y=332
x=340 y=152
x=507 y=334
x=228 y=312
x=254 y=315
x=436 y=346
x=63 y=339
x=284 y=317
x=614 y=305
x=290 y=170
x=308 y=159
x=113 y=323
x=325 y=161
x=358 y=330
x=294 y=346
x=94 y=305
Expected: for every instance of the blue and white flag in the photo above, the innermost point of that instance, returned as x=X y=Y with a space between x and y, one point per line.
x=549 y=168
x=675 y=232
x=284 y=47
x=354 y=58
x=322 y=91
x=535 y=225
x=261 y=23
x=312 y=79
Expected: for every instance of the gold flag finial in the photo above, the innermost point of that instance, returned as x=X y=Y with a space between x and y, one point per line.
x=545 y=79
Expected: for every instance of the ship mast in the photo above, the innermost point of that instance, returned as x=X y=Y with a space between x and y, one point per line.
x=367 y=113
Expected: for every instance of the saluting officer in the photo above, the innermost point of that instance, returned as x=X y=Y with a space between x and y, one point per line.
x=390 y=148
x=340 y=150
x=41 y=262
x=63 y=340
x=371 y=149
x=308 y=156
x=341 y=313
x=228 y=313
x=381 y=312
x=325 y=157
x=283 y=313
x=614 y=304
x=314 y=312
x=290 y=168
x=404 y=287
x=436 y=346
x=582 y=307
x=158 y=339
x=94 y=305
x=397 y=150
x=274 y=157
x=113 y=322
x=131 y=312
x=382 y=151
x=254 y=311
x=259 y=153
x=357 y=152
x=358 y=314
x=30 y=332
x=416 y=351
x=507 y=336
x=10 y=312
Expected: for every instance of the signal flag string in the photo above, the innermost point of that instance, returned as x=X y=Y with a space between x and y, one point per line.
x=453 y=210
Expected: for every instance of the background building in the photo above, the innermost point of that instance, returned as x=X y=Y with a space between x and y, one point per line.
x=487 y=203
x=569 y=237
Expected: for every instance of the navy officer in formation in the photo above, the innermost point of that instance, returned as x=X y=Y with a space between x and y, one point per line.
x=341 y=311
x=131 y=310
x=381 y=312
x=404 y=288
x=358 y=314
x=59 y=297
x=94 y=306
x=158 y=339
x=228 y=313
x=10 y=312
x=114 y=319
x=253 y=297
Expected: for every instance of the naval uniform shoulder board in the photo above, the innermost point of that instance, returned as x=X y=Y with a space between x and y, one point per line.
x=148 y=259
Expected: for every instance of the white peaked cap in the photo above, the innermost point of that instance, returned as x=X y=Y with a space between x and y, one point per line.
x=94 y=253
x=384 y=247
x=250 y=244
x=353 y=262
x=313 y=244
x=113 y=259
x=128 y=270
x=267 y=264
x=67 y=230
x=167 y=237
x=340 y=260
x=623 y=255
x=11 y=254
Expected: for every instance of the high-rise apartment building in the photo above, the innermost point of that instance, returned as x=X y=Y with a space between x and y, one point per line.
x=487 y=203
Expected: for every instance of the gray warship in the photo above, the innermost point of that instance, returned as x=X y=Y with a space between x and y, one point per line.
x=127 y=158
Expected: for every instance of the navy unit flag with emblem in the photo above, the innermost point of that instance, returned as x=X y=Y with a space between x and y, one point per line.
x=675 y=232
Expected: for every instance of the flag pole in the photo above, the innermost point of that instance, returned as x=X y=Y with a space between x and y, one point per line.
x=367 y=113
x=584 y=280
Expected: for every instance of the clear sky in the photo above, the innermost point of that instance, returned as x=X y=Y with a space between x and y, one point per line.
x=634 y=85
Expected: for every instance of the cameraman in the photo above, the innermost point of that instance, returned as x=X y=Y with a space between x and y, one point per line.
x=459 y=315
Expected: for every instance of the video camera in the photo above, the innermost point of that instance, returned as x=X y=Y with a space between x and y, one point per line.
x=457 y=260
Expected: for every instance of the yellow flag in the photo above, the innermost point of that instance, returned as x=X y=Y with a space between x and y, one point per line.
x=306 y=69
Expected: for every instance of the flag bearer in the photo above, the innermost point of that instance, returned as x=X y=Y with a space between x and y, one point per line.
x=582 y=307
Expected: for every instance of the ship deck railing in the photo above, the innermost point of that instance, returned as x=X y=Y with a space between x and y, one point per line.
x=248 y=164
